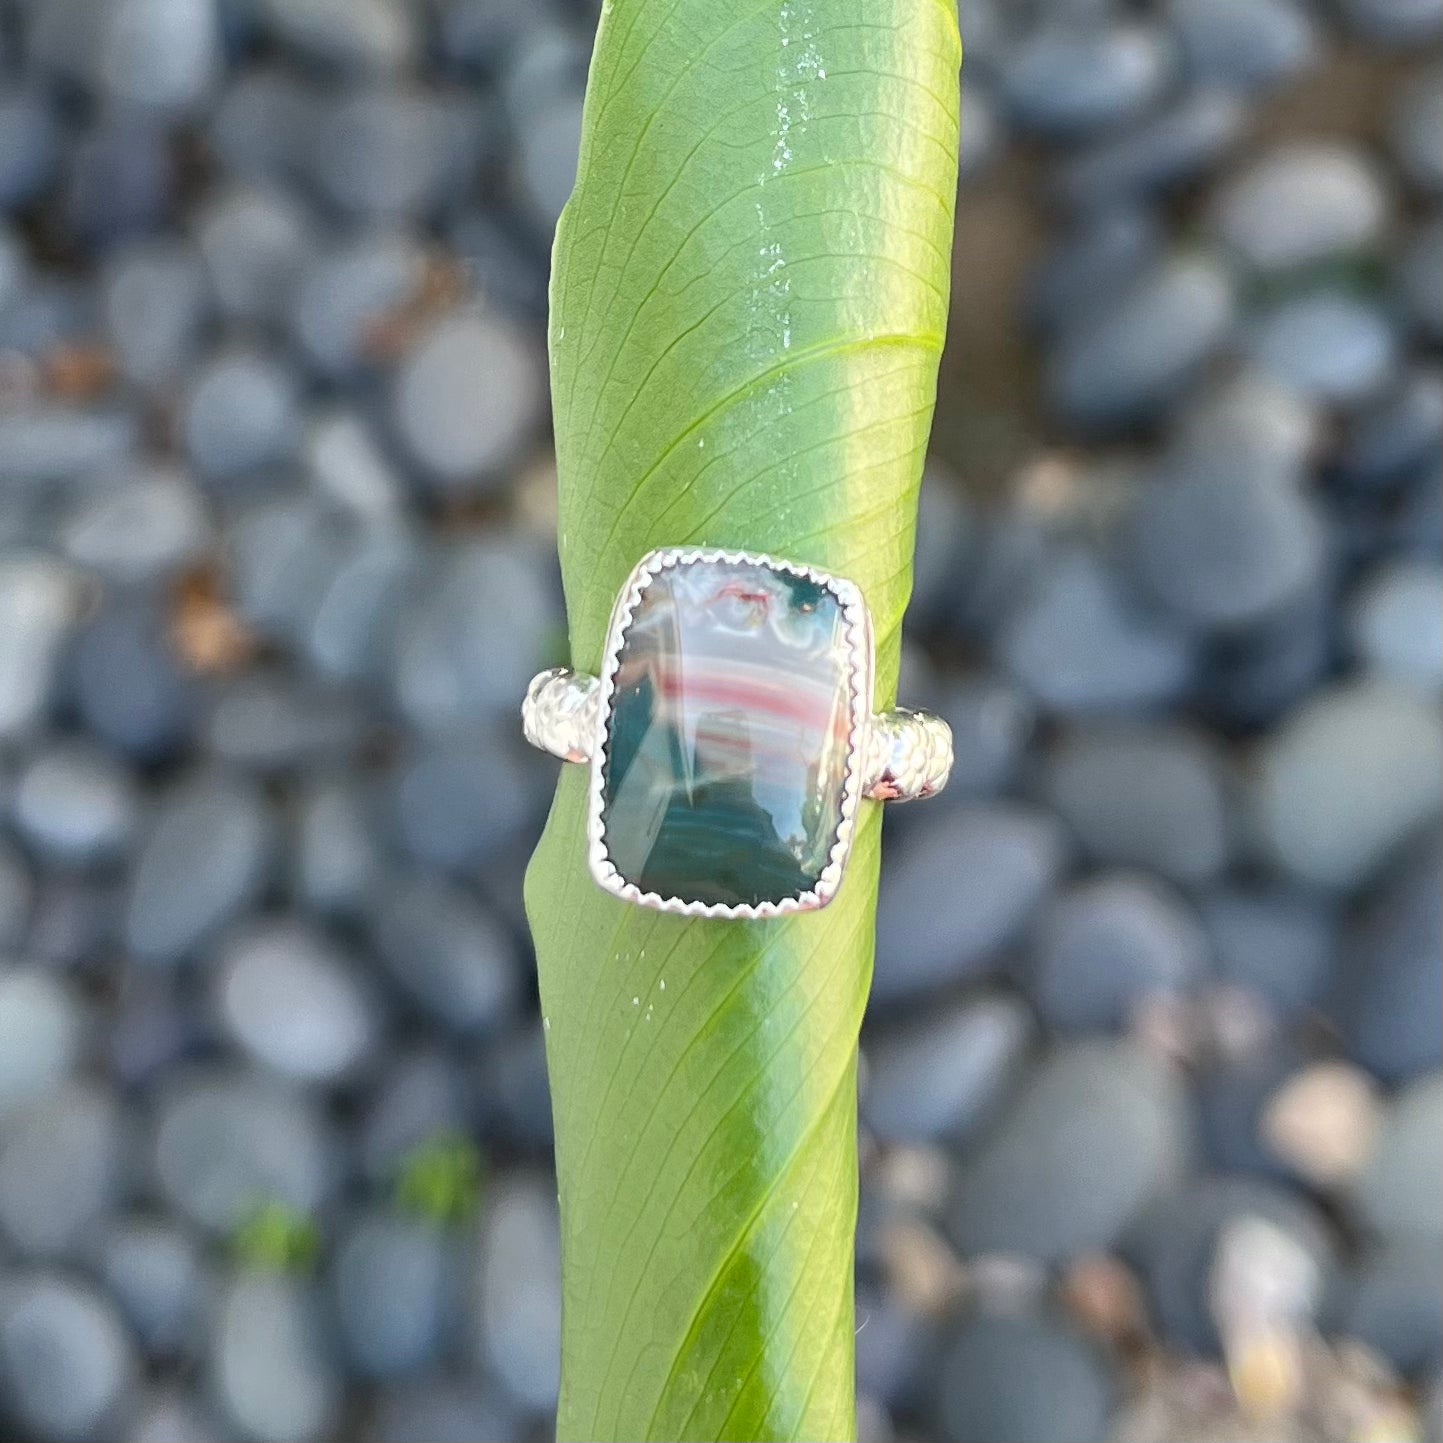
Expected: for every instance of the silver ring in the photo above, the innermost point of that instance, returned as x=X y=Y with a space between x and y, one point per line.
x=731 y=735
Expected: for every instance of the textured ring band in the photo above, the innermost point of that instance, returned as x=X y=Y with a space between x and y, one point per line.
x=731 y=736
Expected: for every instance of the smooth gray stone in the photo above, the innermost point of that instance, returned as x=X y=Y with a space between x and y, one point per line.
x=350 y=619
x=446 y=952
x=256 y=242
x=422 y=1096
x=1033 y=1377
x=1140 y=796
x=207 y=854
x=1096 y=1132
x=518 y=1284
x=29 y=142
x=365 y=37
x=1265 y=424
x=154 y=302
x=1416 y=131
x=347 y=291
x=1397 y=436
x=980 y=131
x=282 y=554
x=1390 y=969
x=138 y=527
x=442 y=1410
x=1392 y=1302
x=1091 y=263
x=295 y=1001
x=958 y=893
x=944 y=536
x=1136 y=357
x=1080 y=644
x=392 y=1281
x=41 y=601
x=1418 y=279
x=269 y=1364
x=338 y=859
x=74 y=806
x=1275 y=941
x=992 y=723
x=266 y=721
x=62 y=1161
x=1345 y=778
x=1063 y=80
x=547 y=145
x=1400 y=1193
x=120 y=180
x=462 y=435
x=17 y=894
x=1395 y=626
x=1176 y=1245
x=1300 y=204
x=42 y=1034
x=1106 y=947
x=263 y=123
x=67 y=1364
x=165 y=1416
x=158 y=54
x=241 y=414
x=157 y=1274
x=225 y=1142
x=1401 y=23
x=1247 y=44
x=942 y=1076
x=348 y=466
x=1330 y=346
x=1225 y=541
x=516 y=1089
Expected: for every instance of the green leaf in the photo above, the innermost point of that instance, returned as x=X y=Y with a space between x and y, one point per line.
x=440 y=1179
x=277 y=1238
x=749 y=295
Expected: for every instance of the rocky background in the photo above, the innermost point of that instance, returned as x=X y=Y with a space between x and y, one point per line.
x=1153 y=1110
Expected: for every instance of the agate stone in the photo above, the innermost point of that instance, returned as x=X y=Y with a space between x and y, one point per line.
x=727 y=736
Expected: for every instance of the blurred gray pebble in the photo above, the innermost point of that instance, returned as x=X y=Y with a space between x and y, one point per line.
x=74 y=806
x=1299 y=204
x=39 y=601
x=1175 y=1248
x=1262 y=422
x=158 y=54
x=445 y=951
x=1089 y=264
x=1108 y=946
x=1419 y=280
x=1063 y=79
x=149 y=1030
x=468 y=642
x=349 y=620
x=441 y=1409
x=62 y=1164
x=29 y=142
x=1161 y=152
x=226 y=1142
x=1140 y=796
x=295 y=1001
x=75 y=919
x=1224 y=540
x=519 y=1283
x=547 y=143
x=269 y=1368
x=1246 y=44
x=1080 y=644
x=157 y=1274
x=128 y=683
x=1400 y=1193
x=1135 y=357
x=979 y=132
x=517 y=1091
x=173 y=1417
x=1232 y=1093
x=942 y=1076
x=1416 y=131
x=355 y=36
x=241 y=414
x=269 y=721
x=42 y=1034
x=263 y=121
x=347 y=292
x=46 y=443
x=1033 y=1377
x=67 y=1364
x=992 y=723
x=1395 y=623
x=1403 y=23
x=120 y=182
x=207 y=853
x=1095 y=1133
x=1399 y=434
x=138 y=527
x=1392 y=1302
x=337 y=853
x=958 y=893
x=1275 y=941
x=255 y=241
x=1331 y=346
x=154 y=301
x=419 y=1097
x=349 y=467
x=1390 y=969
x=1346 y=777
x=944 y=535
x=282 y=554
x=17 y=892
x=467 y=400
x=392 y=1282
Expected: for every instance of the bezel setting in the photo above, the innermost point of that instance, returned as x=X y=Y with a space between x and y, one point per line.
x=859 y=663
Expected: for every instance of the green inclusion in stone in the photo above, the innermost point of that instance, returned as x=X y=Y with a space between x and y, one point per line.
x=726 y=742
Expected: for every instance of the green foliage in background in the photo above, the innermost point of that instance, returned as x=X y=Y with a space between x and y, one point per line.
x=749 y=296
x=277 y=1238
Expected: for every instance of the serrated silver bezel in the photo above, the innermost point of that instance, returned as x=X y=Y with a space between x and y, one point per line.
x=858 y=630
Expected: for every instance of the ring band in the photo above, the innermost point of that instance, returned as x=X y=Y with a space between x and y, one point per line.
x=731 y=736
